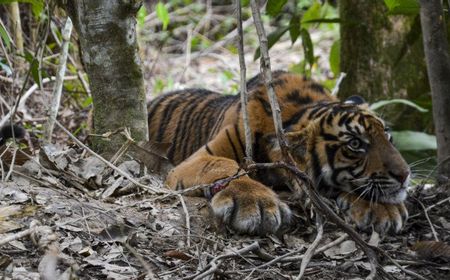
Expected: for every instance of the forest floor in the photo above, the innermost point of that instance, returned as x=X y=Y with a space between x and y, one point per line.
x=64 y=214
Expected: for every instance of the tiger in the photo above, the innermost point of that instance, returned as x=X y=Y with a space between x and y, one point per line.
x=344 y=147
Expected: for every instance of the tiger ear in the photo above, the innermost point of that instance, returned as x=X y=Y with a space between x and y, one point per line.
x=358 y=101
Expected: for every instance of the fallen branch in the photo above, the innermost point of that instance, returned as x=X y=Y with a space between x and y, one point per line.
x=310 y=252
x=188 y=223
x=217 y=261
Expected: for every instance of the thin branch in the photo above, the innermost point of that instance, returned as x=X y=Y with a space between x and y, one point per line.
x=217 y=261
x=311 y=249
x=244 y=96
x=188 y=222
x=338 y=83
x=57 y=90
x=267 y=74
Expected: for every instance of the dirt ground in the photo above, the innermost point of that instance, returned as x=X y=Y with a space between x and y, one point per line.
x=65 y=214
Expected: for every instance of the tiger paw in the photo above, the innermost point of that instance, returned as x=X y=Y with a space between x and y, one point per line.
x=247 y=206
x=382 y=216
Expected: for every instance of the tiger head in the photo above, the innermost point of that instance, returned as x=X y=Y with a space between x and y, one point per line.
x=348 y=148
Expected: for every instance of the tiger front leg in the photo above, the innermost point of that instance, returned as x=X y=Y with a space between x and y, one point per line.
x=243 y=204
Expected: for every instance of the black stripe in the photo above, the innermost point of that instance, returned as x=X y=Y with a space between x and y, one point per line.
x=265 y=105
x=232 y=146
x=174 y=103
x=238 y=135
x=330 y=151
x=317 y=87
x=295 y=118
x=197 y=124
x=182 y=121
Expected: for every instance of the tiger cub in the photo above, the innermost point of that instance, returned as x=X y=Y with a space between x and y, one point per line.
x=343 y=146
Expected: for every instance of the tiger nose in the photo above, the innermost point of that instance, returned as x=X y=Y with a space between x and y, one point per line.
x=401 y=176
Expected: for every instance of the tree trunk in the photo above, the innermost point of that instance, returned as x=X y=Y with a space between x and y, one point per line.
x=382 y=56
x=109 y=51
x=438 y=62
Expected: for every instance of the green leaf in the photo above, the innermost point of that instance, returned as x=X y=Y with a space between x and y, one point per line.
x=37 y=6
x=87 y=102
x=413 y=140
x=307 y=46
x=274 y=7
x=335 y=57
x=5 y=36
x=272 y=38
x=314 y=12
x=163 y=14
x=382 y=103
x=294 y=28
x=140 y=17
x=402 y=7
x=34 y=67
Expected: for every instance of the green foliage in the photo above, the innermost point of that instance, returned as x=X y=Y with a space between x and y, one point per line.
x=382 y=103
x=5 y=36
x=140 y=17
x=307 y=46
x=414 y=140
x=163 y=14
x=34 y=67
x=273 y=7
x=403 y=7
x=335 y=57
x=37 y=6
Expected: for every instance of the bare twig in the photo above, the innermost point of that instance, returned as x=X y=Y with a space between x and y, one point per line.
x=244 y=97
x=310 y=252
x=338 y=83
x=11 y=166
x=217 y=261
x=267 y=74
x=188 y=222
x=57 y=90
x=286 y=257
x=150 y=274
x=425 y=211
x=118 y=170
x=33 y=227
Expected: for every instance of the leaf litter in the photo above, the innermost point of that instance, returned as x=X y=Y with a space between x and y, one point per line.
x=89 y=222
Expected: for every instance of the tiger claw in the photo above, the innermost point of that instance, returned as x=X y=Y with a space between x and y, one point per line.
x=382 y=217
x=247 y=206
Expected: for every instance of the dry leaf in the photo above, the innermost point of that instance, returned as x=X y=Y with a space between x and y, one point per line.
x=177 y=255
x=152 y=155
x=432 y=249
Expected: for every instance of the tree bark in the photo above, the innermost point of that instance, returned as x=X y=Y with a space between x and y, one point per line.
x=109 y=51
x=382 y=55
x=438 y=62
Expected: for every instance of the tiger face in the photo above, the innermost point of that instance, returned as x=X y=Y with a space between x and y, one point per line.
x=349 y=149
